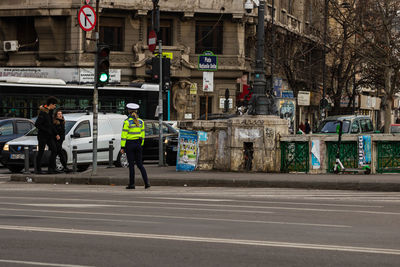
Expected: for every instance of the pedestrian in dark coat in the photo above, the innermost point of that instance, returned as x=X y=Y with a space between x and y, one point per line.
x=59 y=125
x=47 y=134
x=307 y=127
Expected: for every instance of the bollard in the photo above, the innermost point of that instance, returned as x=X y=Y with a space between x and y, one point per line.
x=35 y=151
x=110 y=154
x=74 y=158
x=26 y=159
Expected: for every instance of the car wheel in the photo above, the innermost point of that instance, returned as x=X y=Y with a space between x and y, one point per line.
x=82 y=168
x=15 y=168
x=122 y=160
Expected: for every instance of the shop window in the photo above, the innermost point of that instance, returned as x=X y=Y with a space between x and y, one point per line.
x=26 y=34
x=209 y=37
x=203 y=106
x=112 y=32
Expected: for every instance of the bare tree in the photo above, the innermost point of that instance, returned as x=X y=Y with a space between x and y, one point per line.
x=379 y=33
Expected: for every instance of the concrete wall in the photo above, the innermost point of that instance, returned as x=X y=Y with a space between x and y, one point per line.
x=225 y=145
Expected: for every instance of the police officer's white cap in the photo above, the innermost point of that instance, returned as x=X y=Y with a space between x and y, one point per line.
x=132 y=106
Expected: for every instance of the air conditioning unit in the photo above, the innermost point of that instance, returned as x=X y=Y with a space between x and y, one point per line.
x=10 y=46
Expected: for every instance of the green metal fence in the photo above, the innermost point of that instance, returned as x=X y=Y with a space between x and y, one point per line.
x=388 y=157
x=348 y=154
x=294 y=157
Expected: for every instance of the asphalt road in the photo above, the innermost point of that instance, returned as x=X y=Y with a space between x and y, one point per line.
x=79 y=225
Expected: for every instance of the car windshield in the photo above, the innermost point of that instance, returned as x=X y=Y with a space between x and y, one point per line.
x=329 y=126
x=68 y=126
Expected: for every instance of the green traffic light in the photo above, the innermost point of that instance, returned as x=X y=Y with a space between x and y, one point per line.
x=103 y=77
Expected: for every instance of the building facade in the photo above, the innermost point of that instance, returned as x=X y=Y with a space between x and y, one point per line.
x=49 y=43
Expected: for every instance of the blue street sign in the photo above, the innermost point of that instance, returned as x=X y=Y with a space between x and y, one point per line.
x=208 y=61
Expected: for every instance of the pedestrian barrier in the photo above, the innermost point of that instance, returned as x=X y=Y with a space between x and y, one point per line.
x=26 y=159
x=388 y=157
x=75 y=153
x=295 y=157
x=348 y=154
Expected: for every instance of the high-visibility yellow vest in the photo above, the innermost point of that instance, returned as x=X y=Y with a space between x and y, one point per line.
x=132 y=132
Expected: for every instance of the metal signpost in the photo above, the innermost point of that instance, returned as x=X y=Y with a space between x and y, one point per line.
x=87 y=21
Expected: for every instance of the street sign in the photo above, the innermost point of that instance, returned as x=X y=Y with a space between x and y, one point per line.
x=152 y=40
x=87 y=18
x=208 y=81
x=208 y=61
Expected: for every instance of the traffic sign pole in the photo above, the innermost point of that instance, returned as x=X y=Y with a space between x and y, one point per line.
x=95 y=97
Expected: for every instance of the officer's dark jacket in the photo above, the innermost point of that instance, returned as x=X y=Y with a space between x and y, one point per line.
x=59 y=125
x=44 y=123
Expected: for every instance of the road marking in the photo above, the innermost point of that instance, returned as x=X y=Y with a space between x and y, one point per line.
x=171 y=208
x=206 y=240
x=80 y=218
x=251 y=209
x=66 y=205
x=211 y=200
x=42 y=263
x=165 y=217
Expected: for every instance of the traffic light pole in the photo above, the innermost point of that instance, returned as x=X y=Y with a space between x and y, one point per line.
x=160 y=109
x=95 y=95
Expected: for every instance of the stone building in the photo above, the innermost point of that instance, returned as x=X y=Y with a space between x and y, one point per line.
x=51 y=44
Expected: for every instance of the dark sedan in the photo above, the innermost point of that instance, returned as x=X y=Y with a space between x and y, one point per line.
x=12 y=128
x=151 y=144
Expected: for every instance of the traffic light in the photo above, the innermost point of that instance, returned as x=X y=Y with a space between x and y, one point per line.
x=103 y=65
x=154 y=69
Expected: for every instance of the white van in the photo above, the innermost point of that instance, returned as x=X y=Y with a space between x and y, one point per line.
x=79 y=133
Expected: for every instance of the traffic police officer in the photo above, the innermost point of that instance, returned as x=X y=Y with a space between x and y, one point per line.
x=132 y=140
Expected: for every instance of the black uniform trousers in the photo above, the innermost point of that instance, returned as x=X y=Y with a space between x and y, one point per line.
x=51 y=143
x=133 y=149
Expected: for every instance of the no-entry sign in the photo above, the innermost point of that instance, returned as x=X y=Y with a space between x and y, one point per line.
x=87 y=18
x=152 y=40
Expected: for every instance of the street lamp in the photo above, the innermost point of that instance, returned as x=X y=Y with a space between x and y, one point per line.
x=261 y=104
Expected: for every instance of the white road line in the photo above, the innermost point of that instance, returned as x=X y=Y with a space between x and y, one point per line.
x=167 y=217
x=79 y=218
x=251 y=209
x=184 y=199
x=275 y=202
x=244 y=242
x=42 y=263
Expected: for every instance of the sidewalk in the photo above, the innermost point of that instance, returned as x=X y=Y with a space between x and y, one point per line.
x=168 y=176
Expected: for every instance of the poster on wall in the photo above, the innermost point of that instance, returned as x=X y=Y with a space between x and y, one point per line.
x=315 y=154
x=364 y=150
x=287 y=111
x=188 y=147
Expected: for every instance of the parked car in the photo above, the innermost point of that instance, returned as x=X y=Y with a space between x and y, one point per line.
x=12 y=128
x=151 y=143
x=352 y=124
x=79 y=132
x=395 y=128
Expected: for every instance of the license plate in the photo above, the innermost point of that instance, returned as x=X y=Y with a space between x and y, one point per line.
x=174 y=148
x=17 y=156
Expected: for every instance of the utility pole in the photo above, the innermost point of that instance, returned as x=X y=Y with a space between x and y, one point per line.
x=323 y=100
x=95 y=94
x=261 y=104
x=156 y=13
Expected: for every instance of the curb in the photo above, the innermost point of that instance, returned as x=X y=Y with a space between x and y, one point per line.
x=205 y=182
